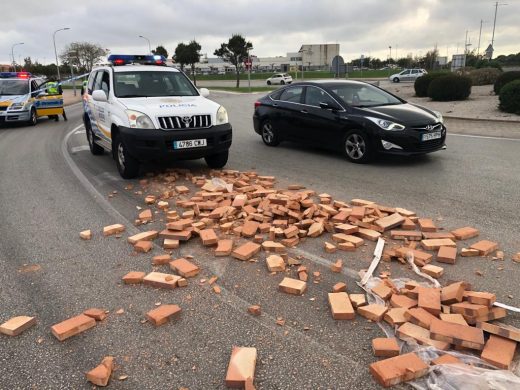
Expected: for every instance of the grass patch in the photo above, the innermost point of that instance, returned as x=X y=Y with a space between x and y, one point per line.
x=314 y=74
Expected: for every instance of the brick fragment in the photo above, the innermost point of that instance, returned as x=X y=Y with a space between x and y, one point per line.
x=184 y=267
x=430 y=300
x=182 y=235
x=436 y=243
x=402 y=301
x=385 y=347
x=161 y=259
x=460 y=335
x=420 y=258
x=246 y=251
x=410 y=235
x=16 y=325
x=357 y=300
x=339 y=287
x=420 y=317
x=446 y=359
x=358 y=212
x=315 y=230
x=485 y=247
x=447 y=254
x=469 y=252
x=133 y=277
x=499 y=352
x=72 y=326
x=395 y=316
x=426 y=225
x=452 y=293
x=495 y=313
x=340 y=306
x=97 y=314
x=480 y=297
x=465 y=233
x=113 y=229
x=341 y=237
x=224 y=248
x=86 y=234
x=275 y=263
x=469 y=309
x=292 y=286
x=162 y=314
x=179 y=225
x=168 y=243
x=255 y=310
x=337 y=266
x=345 y=228
x=146 y=215
x=437 y=235
x=390 y=221
x=208 y=237
x=143 y=246
x=433 y=270
x=373 y=312
x=368 y=234
x=382 y=291
x=100 y=376
x=250 y=228
x=161 y=280
x=271 y=246
x=454 y=318
x=500 y=329
x=241 y=367
x=143 y=236
x=182 y=282
x=398 y=369
x=412 y=332
x=330 y=248
x=346 y=246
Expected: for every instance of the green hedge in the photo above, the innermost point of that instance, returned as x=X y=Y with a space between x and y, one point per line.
x=449 y=87
x=484 y=76
x=510 y=97
x=422 y=83
x=505 y=78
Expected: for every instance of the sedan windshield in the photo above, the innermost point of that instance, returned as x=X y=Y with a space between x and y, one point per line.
x=151 y=83
x=14 y=87
x=363 y=95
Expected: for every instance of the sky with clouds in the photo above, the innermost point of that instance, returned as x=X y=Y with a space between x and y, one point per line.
x=365 y=27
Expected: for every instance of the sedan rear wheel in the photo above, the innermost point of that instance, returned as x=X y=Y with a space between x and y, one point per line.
x=269 y=135
x=268 y=82
x=357 y=147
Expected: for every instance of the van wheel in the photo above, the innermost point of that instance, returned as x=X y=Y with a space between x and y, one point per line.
x=127 y=165
x=33 y=120
x=357 y=147
x=217 y=161
x=95 y=149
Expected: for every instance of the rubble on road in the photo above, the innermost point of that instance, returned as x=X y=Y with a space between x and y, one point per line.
x=16 y=325
x=100 y=375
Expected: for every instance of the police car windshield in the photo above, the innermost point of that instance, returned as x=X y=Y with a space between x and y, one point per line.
x=131 y=84
x=13 y=87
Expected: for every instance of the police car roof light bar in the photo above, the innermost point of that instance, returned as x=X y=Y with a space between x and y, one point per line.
x=127 y=59
x=15 y=75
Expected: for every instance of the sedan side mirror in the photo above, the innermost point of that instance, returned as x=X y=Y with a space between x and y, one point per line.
x=99 y=96
x=204 y=92
x=329 y=106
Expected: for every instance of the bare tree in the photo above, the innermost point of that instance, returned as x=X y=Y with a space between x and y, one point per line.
x=83 y=54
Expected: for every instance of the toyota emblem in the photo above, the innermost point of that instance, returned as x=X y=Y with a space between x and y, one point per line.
x=186 y=120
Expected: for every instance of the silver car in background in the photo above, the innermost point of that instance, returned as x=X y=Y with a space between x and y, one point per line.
x=279 y=78
x=408 y=75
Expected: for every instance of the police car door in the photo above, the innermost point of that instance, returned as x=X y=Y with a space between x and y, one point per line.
x=98 y=110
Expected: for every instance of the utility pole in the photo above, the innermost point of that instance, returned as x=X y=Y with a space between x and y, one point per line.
x=12 y=54
x=55 y=52
x=479 y=36
x=149 y=46
x=494 y=24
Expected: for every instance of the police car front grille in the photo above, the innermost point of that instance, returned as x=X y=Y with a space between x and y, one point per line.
x=185 y=122
x=3 y=108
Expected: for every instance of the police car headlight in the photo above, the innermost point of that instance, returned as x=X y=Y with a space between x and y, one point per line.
x=439 y=116
x=17 y=106
x=386 y=125
x=222 y=116
x=138 y=120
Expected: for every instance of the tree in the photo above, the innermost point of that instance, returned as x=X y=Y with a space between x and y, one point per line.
x=235 y=51
x=180 y=55
x=83 y=54
x=193 y=56
x=160 y=51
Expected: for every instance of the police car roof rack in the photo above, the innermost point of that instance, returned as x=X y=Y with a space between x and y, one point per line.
x=128 y=59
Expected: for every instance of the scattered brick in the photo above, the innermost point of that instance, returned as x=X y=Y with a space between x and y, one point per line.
x=469 y=252
x=161 y=280
x=460 y=335
x=250 y=228
x=499 y=352
x=447 y=254
x=373 y=312
x=337 y=266
x=495 y=313
x=390 y=221
x=385 y=347
x=446 y=359
x=382 y=291
x=420 y=258
x=184 y=268
x=133 y=277
x=182 y=282
x=275 y=263
x=100 y=375
x=241 y=367
x=72 y=326
x=180 y=225
x=426 y=225
x=368 y=234
x=345 y=228
x=246 y=251
x=340 y=306
x=168 y=243
x=16 y=325
x=340 y=287
x=208 y=237
x=469 y=309
x=255 y=310
x=485 y=247
x=161 y=259
x=430 y=300
x=420 y=317
x=465 y=233
x=500 y=329
x=145 y=215
x=271 y=246
x=97 y=314
x=113 y=229
x=86 y=234
x=395 y=316
x=346 y=246
x=162 y=314
x=437 y=235
x=436 y=243
x=410 y=235
x=398 y=369
x=454 y=318
x=143 y=246
x=315 y=230
x=480 y=298
x=452 y=293
x=357 y=300
x=292 y=286
x=402 y=301
x=433 y=270
x=412 y=332
x=330 y=248
x=224 y=248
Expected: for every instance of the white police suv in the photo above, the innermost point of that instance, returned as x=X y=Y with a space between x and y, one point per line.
x=140 y=110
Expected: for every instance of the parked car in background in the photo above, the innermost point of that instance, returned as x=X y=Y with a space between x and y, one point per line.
x=279 y=78
x=408 y=75
x=354 y=117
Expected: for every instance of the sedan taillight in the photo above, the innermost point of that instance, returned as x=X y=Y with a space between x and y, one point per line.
x=258 y=103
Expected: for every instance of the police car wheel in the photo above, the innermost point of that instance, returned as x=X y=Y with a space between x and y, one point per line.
x=218 y=160
x=95 y=149
x=33 y=120
x=127 y=165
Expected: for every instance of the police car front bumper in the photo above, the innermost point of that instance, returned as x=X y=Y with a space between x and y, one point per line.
x=152 y=144
x=15 y=116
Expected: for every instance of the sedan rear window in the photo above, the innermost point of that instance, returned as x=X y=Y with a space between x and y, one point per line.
x=364 y=95
x=292 y=95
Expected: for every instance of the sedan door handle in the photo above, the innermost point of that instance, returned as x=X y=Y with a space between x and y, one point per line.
x=304 y=111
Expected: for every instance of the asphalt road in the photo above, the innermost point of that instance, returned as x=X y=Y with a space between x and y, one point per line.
x=51 y=188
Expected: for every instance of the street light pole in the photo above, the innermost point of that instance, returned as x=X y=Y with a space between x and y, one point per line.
x=55 y=52
x=494 y=23
x=12 y=54
x=479 y=36
x=149 y=46
x=390 y=58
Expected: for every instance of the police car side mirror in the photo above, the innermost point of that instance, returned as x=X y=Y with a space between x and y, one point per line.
x=99 y=96
x=204 y=92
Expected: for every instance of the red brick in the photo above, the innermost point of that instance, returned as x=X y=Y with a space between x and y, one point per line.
x=346 y=246
x=373 y=312
x=181 y=235
x=447 y=254
x=432 y=270
x=72 y=326
x=161 y=259
x=454 y=318
x=162 y=314
x=345 y=228
x=224 y=248
x=485 y=247
x=468 y=252
x=145 y=215
x=385 y=347
x=446 y=359
x=499 y=352
x=452 y=293
x=469 y=309
x=330 y=248
x=16 y=325
x=315 y=230
x=357 y=300
x=143 y=236
x=430 y=300
x=275 y=263
x=402 y=301
x=339 y=287
x=368 y=234
x=255 y=310
x=168 y=243
x=420 y=258
x=113 y=229
x=241 y=367
x=390 y=222
x=426 y=225
x=341 y=237
x=184 y=268
x=181 y=224
x=250 y=228
x=465 y=233
x=100 y=375
x=436 y=243
x=412 y=332
x=500 y=329
x=337 y=266
x=399 y=369
x=382 y=291
x=358 y=212
x=460 y=335
x=340 y=306
x=292 y=286
x=291 y=231
x=208 y=237
x=161 y=280
x=97 y=314
x=86 y=234
x=133 y=277
x=495 y=313
x=419 y=316
x=410 y=235
x=143 y=246
x=246 y=251
x=395 y=316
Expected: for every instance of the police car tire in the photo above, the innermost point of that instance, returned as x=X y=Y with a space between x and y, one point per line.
x=95 y=149
x=218 y=160
x=130 y=168
x=33 y=120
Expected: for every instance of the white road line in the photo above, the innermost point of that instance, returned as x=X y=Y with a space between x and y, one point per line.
x=80 y=132
x=77 y=149
x=483 y=137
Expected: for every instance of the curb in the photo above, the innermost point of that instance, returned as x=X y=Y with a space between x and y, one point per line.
x=482 y=119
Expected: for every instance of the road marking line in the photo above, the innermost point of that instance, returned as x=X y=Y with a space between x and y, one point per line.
x=77 y=149
x=80 y=132
x=484 y=137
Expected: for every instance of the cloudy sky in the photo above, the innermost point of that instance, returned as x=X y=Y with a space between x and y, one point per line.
x=366 y=27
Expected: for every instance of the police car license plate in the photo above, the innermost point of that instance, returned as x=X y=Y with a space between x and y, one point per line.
x=189 y=143
x=430 y=136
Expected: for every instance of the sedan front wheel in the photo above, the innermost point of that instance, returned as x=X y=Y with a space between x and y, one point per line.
x=357 y=147
x=269 y=134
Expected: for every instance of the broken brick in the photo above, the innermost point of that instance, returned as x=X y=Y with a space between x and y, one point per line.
x=395 y=316
x=340 y=306
x=275 y=263
x=113 y=229
x=420 y=317
x=382 y=291
x=162 y=314
x=453 y=293
x=499 y=352
x=241 y=367
x=410 y=235
x=254 y=310
x=469 y=252
x=373 y=312
x=184 y=268
x=385 y=347
x=357 y=300
x=180 y=225
x=100 y=375
x=330 y=248
x=133 y=277
x=97 y=314
x=224 y=247
x=485 y=247
x=465 y=233
x=271 y=246
x=168 y=243
x=454 y=318
x=500 y=329
x=390 y=221
x=446 y=359
x=208 y=237
x=143 y=246
x=460 y=335
x=447 y=254
x=292 y=286
x=426 y=225
x=398 y=369
x=161 y=280
x=337 y=266
x=86 y=234
x=368 y=234
x=143 y=236
x=402 y=301
x=161 y=259
x=146 y=215
x=246 y=251
x=469 y=309
x=430 y=300
x=432 y=270
x=16 y=325
x=422 y=336
x=72 y=326
x=339 y=287
x=250 y=228
x=436 y=243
